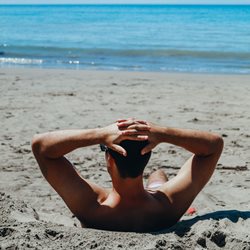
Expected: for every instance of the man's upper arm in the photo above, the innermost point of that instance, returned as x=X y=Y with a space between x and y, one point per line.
x=80 y=196
x=193 y=176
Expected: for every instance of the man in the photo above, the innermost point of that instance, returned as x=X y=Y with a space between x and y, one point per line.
x=128 y=144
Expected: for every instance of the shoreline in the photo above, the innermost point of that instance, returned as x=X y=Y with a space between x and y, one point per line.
x=173 y=73
x=123 y=70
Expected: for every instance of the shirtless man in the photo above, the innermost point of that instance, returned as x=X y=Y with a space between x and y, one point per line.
x=128 y=206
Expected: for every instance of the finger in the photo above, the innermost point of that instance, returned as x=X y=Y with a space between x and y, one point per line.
x=139 y=127
x=119 y=149
x=136 y=138
x=134 y=120
x=142 y=121
x=142 y=137
x=125 y=123
x=127 y=119
x=134 y=132
x=122 y=120
x=147 y=149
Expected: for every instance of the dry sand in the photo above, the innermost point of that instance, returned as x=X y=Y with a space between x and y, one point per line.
x=32 y=215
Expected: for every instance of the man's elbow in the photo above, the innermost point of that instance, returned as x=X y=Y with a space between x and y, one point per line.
x=214 y=147
x=37 y=145
x=218 y=143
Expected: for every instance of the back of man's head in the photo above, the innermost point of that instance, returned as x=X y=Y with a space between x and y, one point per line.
x=134 y=163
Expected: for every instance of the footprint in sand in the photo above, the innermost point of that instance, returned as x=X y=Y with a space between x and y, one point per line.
x=6 y=231
x=219 y=238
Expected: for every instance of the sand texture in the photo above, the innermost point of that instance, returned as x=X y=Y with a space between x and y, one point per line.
x=33 y=216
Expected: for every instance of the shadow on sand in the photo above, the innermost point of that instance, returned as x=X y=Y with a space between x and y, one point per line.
x=184 y=226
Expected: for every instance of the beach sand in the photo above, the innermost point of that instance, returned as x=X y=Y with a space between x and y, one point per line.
x=32 y=101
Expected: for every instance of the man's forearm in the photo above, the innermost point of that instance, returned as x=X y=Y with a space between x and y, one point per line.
x=197 y=142
x=56 y=144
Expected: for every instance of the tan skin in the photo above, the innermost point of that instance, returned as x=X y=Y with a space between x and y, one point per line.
x=128 y=206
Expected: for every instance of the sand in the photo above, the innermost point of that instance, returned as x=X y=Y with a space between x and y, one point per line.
x=32 y=101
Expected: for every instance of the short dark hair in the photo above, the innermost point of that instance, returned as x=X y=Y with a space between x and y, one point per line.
x=134 y=163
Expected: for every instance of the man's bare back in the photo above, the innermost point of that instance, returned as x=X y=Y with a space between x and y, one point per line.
x=128 y=206
x=151 y=211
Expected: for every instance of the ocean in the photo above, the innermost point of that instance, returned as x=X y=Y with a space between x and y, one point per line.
x=171 y=38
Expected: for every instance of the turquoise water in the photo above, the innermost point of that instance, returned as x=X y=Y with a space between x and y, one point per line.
x=127 y=37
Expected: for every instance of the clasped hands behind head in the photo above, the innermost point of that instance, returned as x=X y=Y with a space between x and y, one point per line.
x=127 y=145
x=130 y=129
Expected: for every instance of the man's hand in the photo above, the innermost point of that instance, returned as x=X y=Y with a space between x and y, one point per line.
x=113 y=135
x=133 y=127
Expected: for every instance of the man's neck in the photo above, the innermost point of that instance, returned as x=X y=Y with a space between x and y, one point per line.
x=129 y=188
